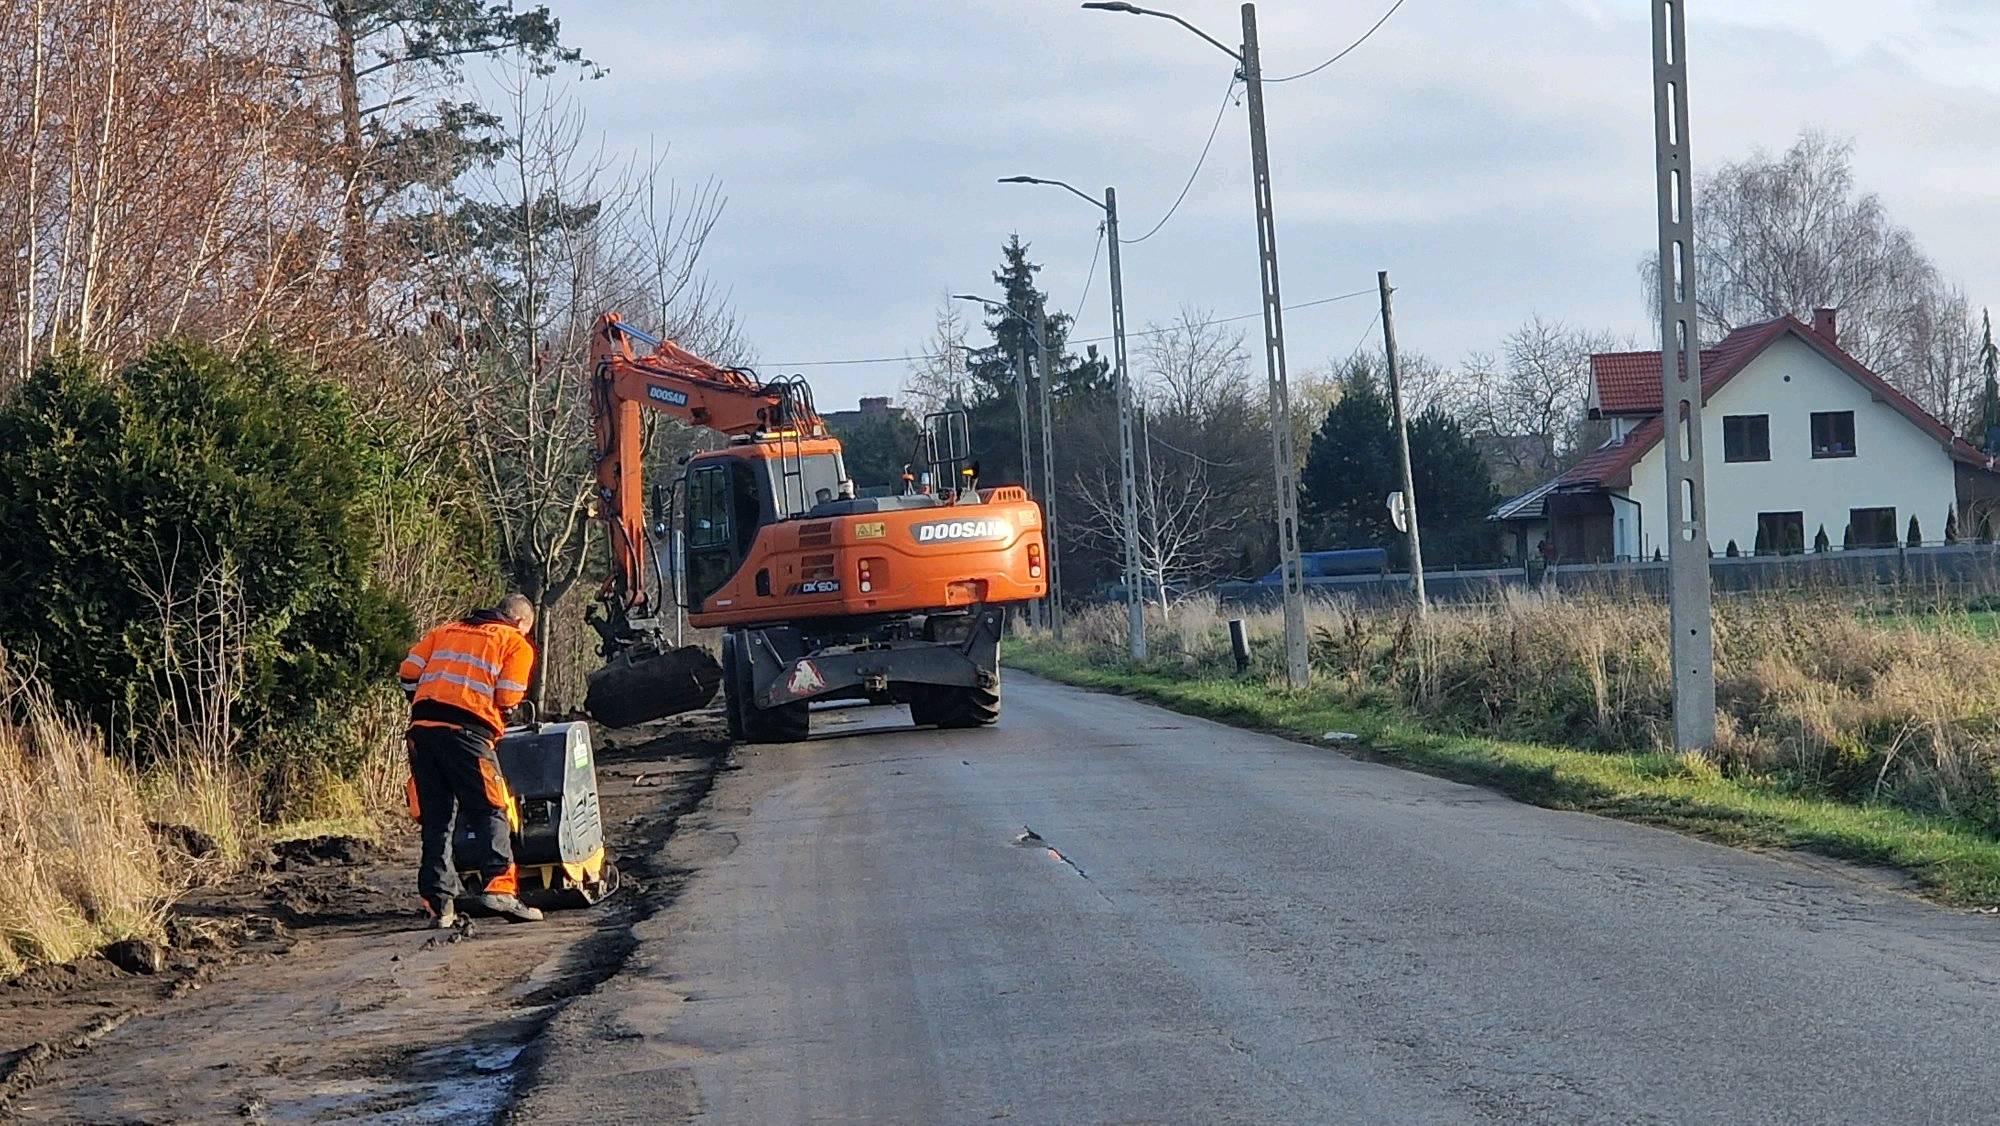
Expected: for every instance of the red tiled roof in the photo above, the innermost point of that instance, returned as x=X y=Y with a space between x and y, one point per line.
x=1628 y=383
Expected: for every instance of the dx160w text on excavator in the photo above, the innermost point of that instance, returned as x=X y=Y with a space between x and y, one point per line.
x=823 y=595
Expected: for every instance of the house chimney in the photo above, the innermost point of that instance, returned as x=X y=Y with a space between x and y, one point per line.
x=1823 y=325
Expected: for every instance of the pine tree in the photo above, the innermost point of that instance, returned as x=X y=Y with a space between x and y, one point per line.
x=1350 y=469
x=1820 y=542
x=1915 y=538
x=1454 y=491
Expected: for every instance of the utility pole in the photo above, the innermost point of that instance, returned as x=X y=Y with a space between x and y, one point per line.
x=1284 y=468
x=1135 y=587
x=1135 y=598
x=1049 y=469
x=1689 y=616
x=1290 y=568
x=1027 y=469
x=1403 y=444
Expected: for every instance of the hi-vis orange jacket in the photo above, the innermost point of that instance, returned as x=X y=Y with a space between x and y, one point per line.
x=468 y=672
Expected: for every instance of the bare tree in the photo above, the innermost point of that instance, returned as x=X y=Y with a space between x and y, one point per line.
x=553 y=234
x=1792 y=233
x=1537 y=391
x=1181 y=515
x=1194 y=365
x=939 y=379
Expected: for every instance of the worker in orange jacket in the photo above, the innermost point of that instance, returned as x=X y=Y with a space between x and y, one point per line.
x=462 y=678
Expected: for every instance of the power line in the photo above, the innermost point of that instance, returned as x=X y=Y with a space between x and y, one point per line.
x=1343 y=53
x=1199 y=161
x=1089 y=276
x=1078 y=340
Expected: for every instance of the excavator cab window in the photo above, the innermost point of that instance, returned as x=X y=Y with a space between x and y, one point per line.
x=726 y=506
x=709 y=533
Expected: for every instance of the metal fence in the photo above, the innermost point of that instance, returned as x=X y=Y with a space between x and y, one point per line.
x=1957 y=568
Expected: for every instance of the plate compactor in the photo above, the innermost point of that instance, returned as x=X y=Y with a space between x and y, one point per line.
x=558 y=830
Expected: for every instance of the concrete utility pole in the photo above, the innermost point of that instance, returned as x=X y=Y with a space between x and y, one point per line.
x=1135 y=586
x=1135 y=595
x=1049 y=469
x=1693 y=640
x=1284 y=468
x=1403 y=444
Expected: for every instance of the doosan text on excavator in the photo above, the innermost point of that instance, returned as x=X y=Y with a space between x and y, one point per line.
x=822 y=595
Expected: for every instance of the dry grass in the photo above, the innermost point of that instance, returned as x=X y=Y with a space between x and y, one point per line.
x=81 y=868
x=1838 y=699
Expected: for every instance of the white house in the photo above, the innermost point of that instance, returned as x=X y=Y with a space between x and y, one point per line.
x=1797 y=437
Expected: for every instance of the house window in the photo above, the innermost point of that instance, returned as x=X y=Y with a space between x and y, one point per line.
x=1746 y=437
x=1781 y=533
x=1872 y=527
x=1833 y=434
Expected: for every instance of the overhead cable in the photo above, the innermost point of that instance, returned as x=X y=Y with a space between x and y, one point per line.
x=1199 y=161
x=1344 y=51
x=1078 y=340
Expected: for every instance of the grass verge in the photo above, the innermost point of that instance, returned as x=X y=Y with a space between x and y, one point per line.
x=1952 y=862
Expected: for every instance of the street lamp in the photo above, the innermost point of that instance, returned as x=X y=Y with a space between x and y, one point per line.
x=1036 y=332
x=1135 y=603
x=1297 y=669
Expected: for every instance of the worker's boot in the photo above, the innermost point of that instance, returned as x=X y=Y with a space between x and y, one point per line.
x=511 y=907
x=443 y=912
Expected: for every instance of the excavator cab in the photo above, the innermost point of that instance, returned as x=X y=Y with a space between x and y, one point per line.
x=734 y=493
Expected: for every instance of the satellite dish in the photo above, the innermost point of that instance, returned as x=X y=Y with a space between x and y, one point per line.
x=1399 y=513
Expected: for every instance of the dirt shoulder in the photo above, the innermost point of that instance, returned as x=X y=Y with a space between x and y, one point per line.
x=312 y=991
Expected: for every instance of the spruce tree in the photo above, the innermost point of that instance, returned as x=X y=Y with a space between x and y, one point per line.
x=1351 y=467
x=1454 y=488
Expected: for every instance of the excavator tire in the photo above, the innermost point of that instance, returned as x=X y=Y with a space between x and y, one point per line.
x=732 y=695
x=943 y=706
x=786 y=723
x=628 y=692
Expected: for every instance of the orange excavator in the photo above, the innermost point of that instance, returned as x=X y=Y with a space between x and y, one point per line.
x=822 y=594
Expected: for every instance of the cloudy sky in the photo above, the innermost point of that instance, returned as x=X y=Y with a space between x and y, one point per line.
x=1494 y=155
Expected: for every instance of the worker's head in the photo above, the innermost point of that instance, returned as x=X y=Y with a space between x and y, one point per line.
x=517 y=608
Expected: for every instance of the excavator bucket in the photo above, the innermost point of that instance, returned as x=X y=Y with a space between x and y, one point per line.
x=648 y=685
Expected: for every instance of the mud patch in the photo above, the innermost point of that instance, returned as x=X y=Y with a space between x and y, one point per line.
x=313 y=991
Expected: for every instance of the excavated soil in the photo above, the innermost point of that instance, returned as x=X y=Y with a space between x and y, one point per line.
x=311 y=990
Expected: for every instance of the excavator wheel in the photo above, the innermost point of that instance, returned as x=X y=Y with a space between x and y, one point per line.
x=945 y=706
x=732 y=694
x=786 y=723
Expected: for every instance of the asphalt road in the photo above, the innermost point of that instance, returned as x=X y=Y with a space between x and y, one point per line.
x=1239 y=928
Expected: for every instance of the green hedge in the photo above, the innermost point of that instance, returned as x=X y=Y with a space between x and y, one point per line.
x=115 y=486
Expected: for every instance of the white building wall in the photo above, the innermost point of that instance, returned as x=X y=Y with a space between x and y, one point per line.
x=1895 y=464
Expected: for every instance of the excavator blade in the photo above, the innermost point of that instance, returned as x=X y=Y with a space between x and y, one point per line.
x=631 y=691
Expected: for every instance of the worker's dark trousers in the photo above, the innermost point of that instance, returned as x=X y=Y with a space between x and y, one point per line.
x=458 y=778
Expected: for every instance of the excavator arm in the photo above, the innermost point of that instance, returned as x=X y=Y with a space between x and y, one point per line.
x=675 y=382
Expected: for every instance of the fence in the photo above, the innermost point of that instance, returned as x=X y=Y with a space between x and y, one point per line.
x=1962 y=568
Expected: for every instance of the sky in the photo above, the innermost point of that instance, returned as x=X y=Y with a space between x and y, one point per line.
x=1495 y=157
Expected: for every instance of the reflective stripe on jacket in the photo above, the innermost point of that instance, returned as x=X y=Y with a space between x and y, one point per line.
x=477 y=667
